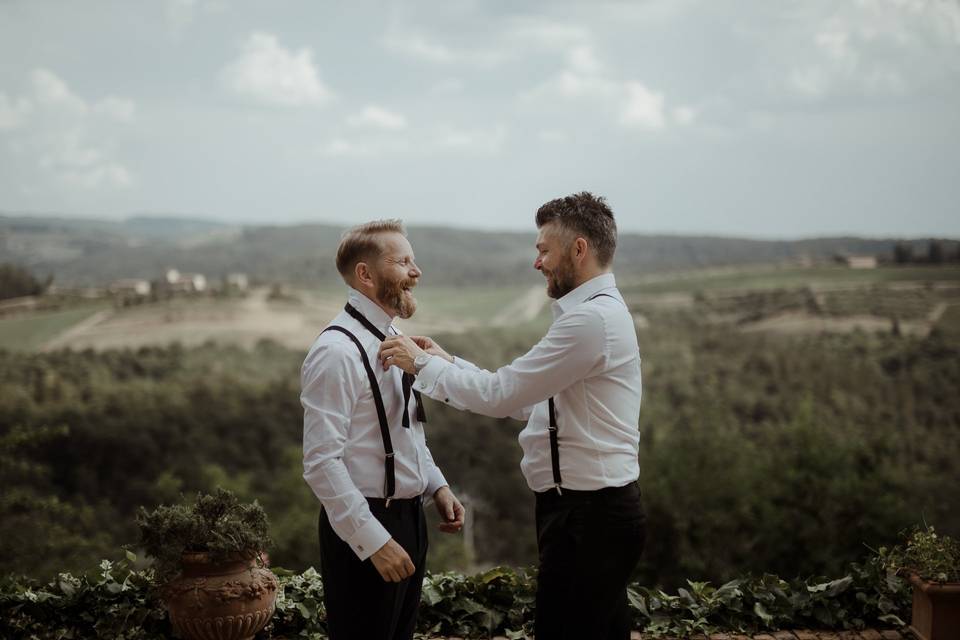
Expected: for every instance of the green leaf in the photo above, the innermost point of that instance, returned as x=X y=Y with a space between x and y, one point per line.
x=762 y=613
x=67 y=588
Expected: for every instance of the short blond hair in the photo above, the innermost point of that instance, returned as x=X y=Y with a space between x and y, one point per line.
x=360 y=243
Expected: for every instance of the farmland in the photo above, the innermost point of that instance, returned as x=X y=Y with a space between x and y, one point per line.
x=790 y=416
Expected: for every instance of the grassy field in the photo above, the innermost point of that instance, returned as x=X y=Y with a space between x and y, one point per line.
x=28 y=332
x=759 y=278
x=788 y=299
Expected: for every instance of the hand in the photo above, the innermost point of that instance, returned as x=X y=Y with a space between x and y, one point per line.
x=450 y=510
x=399 y=351
x=393 y=562
x=431 y=347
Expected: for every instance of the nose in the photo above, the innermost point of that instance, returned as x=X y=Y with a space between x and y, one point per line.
x=537 y=263
x=415 y=270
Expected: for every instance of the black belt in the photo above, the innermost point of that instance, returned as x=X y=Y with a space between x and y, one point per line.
x=575 y=495
x=399 y=503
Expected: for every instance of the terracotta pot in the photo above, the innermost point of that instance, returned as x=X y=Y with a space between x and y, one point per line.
x=220 y=601
x=936 y=609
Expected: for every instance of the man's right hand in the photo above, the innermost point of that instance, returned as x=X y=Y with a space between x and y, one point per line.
x=431 y=347
x=393 y=562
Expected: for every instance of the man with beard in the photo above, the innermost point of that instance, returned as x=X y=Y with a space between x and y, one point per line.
x=579 y=388
x=364 y=452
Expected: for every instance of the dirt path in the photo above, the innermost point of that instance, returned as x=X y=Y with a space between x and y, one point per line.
x=523 y=309
x=66 y=338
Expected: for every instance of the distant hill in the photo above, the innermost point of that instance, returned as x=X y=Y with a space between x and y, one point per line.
x=93 y=252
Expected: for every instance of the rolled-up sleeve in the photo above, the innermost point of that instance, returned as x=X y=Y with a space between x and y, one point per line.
x=330 y=383
x=573 y=347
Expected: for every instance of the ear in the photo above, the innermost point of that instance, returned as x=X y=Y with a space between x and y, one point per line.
x=580 y=248
x=362 y=274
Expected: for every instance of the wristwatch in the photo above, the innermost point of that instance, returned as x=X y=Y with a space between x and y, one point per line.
x=421 y=361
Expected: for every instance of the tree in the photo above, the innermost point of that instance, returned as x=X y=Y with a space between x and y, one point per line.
x=15 y=281
x=935 y=252
x=902 y=253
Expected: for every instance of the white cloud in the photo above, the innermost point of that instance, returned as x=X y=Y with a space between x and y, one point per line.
x=865 y=47
x=378 y=118
x=450 y=85
x=584 y=60
x=811 y=81
x=273 y=75
x=78 y=163
x=442 y=139
x=642 y=108
x=102 y=175
x=13 y=113
x=684 y=115
x=68 y=138
x=181 y=13
x=553 y=136
x=418 y=46
x=120 y=109
x=50 y=91
x=630 y=103
x=483 y=141
x=546 y=33
x=340 y=148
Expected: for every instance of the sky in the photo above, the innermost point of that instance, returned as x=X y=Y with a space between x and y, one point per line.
x=757 y=118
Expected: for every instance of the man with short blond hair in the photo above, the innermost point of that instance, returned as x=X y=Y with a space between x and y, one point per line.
x=364 y=452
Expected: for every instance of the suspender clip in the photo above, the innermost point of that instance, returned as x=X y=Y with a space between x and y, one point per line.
x=390 y=455
x=557 y=487
x=387 y=503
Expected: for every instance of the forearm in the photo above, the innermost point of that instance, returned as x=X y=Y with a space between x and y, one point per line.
x=347 y=509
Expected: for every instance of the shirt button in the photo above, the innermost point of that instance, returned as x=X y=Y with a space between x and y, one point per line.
x=360 y=547
x=446 y=399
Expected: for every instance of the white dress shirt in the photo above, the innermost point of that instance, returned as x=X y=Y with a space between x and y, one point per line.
x=343 y=456
x=589 y=362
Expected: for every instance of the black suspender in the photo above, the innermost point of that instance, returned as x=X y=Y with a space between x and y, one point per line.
x=390 y=478
x=407 y=378
x=389 y=473
x=553 y=430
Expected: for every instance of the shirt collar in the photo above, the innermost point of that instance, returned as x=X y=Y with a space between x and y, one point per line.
x=370 y=310
x=584 y=291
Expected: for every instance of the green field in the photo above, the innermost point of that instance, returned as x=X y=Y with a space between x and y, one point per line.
x=758 y=278
x=28 y=332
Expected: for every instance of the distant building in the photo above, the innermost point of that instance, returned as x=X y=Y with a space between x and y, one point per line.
x=238 y=281
x=130 y=287
x=860 y=262
x=185 y=282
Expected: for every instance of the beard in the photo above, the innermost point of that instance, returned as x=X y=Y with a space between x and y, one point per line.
x=396 y=295
x=560 y=281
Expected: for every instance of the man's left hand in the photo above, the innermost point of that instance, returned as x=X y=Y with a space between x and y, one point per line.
x=450 y=510
x=399 y=351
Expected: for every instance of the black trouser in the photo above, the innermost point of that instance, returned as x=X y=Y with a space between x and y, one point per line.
x=360 y=604
x=589 y=542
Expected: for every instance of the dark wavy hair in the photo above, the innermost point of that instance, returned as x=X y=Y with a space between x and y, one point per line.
x=585 y=215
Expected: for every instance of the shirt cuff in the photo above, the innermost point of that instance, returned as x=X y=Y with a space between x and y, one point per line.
x=369 y=538
x=435 y=480
x=430 y=374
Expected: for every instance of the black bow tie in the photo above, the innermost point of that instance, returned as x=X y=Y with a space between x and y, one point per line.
x=407 y=379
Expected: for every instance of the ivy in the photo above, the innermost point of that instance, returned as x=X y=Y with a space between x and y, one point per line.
x=120 y=602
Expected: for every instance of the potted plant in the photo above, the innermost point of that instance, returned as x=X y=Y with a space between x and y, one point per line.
x=932 y=564
x=208 y=557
